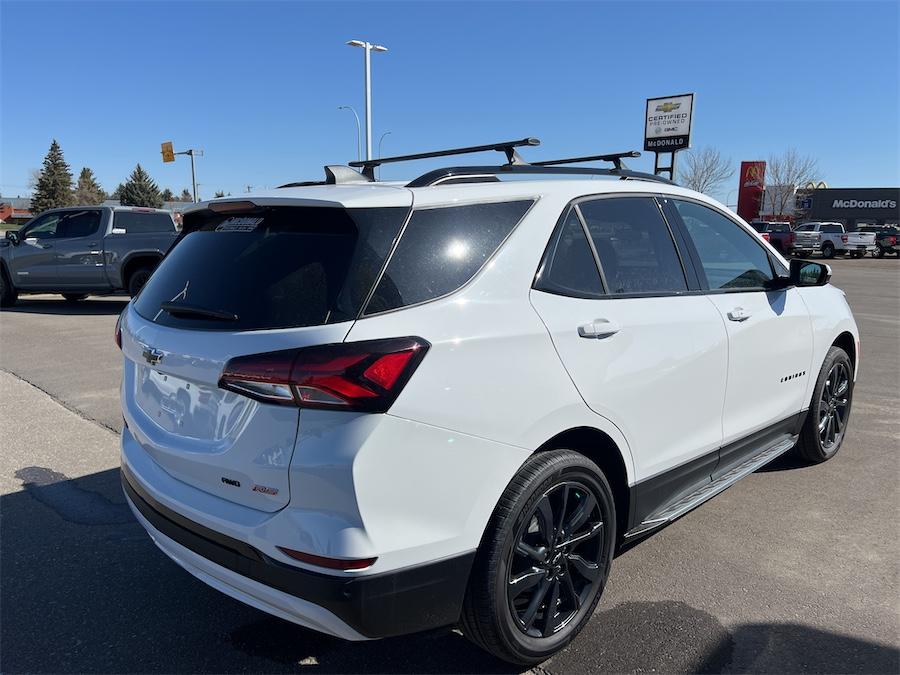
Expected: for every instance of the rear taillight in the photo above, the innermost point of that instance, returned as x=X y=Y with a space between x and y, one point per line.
x=844 y=238
x=791 y=238
x=893 y=241
x=360 y=376
x=119 y=332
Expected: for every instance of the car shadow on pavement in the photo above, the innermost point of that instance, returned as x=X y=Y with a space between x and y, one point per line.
x=85 y=590
x=91 y=306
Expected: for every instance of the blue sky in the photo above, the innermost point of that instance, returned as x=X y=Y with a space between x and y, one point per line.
x=257 y=85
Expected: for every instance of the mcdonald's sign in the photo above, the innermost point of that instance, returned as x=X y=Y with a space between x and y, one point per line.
x=750 y=190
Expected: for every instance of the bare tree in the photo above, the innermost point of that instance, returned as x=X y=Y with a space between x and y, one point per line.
x=706 y=170
x=785 y=175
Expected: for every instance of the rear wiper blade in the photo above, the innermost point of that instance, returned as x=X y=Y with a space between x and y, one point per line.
x=183 y=310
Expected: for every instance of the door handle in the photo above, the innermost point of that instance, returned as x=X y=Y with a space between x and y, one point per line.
x=599 y=328
x=739 y=314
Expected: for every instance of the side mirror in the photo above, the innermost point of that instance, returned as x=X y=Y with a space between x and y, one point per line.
x=13 y=237
x=809 y=273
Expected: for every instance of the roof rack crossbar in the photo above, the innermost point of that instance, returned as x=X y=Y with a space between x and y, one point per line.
x=615 y=158
x=459 y=173
x=507 y=147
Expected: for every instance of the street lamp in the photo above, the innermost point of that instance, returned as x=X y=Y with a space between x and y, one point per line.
x=380 y=141
x=369 y=47
x=347 y=107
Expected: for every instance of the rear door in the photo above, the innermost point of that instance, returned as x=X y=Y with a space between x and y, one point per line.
x=79 y=250
x=643 y=350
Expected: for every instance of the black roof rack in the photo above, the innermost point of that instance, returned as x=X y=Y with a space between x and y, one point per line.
x=469 y=174
x=512 y=157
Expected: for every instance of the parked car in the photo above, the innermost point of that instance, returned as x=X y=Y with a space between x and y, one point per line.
x=832 y=239
x=81 y=250
x=378 y=408
x=778 y=233
x=887 y=240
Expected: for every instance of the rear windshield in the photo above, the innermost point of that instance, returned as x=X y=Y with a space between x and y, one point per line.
x=134 y=222
x=271 y=268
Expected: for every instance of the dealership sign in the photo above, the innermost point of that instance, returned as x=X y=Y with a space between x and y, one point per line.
x=668 y=123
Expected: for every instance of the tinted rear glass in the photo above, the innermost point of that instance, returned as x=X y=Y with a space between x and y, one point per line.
x=442 y=249
x=141 y=222
x=272 y=268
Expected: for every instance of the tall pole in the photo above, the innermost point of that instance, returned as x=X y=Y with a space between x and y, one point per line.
x=368 y=47
x=193 y=153
x=347 y=107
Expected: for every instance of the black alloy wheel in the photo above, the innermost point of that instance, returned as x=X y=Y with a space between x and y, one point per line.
x=544 y=560
x=878 y=252
x=138 y=279
x=829 y=411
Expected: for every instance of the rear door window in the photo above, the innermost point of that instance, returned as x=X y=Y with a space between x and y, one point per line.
x=270 y=268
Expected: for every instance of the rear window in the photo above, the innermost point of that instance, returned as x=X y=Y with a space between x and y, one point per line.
x=142 y=222
x=271 y=268
x=831 y=229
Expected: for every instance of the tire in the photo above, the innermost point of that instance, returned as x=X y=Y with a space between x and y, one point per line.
x=8 y=294
x=878 y=252
x=526 y=563
x=138 y=279
x=827 y=250
x=829 y=410
x=74 y=297
x=857 y=254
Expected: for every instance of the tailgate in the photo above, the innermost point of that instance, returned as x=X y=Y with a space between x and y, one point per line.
x=217 y=441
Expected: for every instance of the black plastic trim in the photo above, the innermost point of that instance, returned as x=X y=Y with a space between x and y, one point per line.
x=376 y=606
x=655 y=494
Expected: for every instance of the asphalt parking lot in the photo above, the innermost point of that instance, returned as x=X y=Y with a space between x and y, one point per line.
x=793 y=570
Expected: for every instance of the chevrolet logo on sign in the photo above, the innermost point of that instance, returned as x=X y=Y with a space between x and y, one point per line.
x=668 y=107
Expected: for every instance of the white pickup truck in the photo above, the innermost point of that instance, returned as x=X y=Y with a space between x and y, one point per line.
x=831 y=239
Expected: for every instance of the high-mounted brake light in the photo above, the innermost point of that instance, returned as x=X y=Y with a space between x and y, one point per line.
x=231 y=207
x=361 y=376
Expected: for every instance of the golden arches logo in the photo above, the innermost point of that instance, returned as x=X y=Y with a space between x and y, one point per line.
x=821 y=185
x=754 y=172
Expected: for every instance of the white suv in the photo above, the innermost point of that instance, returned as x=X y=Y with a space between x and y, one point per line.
x=376 y=408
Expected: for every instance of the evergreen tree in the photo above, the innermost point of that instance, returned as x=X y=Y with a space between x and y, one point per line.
x=141 y=190
x=167 y=195
x=88 y=191
x=186 y=196
x=54 y=183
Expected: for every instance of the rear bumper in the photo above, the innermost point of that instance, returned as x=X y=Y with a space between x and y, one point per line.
x=351 y=607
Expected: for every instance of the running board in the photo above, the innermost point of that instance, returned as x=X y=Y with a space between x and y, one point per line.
x=710 y=490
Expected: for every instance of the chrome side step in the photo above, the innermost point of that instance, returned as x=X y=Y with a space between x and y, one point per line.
x=710 y=490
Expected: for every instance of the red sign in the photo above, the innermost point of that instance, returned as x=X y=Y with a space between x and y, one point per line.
x=750 y=191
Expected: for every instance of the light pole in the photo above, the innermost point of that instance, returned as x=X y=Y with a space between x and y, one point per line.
x=369 y=47
x=347 y=107
x=193 y=153
x=380 y=141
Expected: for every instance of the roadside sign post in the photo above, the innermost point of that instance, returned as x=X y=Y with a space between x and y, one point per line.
x=667 y=128
x=168 y=155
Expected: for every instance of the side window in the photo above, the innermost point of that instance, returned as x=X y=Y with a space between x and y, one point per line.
x=80 y=224
x=805 y=228
x=44 y=228
x=731 y=258
x=441 y=249
x=634 y=245
x=571 y=268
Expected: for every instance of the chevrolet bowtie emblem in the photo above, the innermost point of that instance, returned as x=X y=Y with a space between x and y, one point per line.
x=152 y=356
x=668 y=107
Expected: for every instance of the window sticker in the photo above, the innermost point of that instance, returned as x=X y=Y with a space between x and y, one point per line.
x=237 y=224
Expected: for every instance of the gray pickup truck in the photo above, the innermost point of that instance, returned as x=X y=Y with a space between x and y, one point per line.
x=78 y=251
